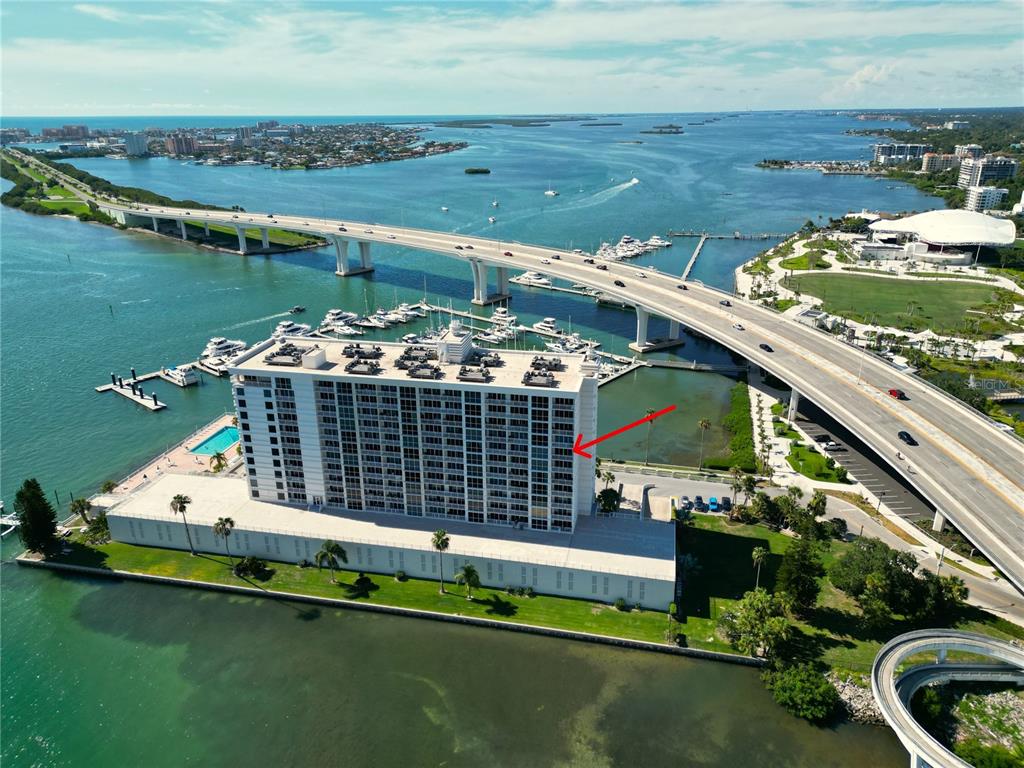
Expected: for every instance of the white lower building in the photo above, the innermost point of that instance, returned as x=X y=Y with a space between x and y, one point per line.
x=984 y=198
x=604 y=559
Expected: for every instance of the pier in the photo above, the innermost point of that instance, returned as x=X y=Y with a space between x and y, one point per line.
x=737 y=235
x=693 y=365
x=693 y=259
x=132 y=389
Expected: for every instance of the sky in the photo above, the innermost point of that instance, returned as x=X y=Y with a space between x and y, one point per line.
x=413 y=57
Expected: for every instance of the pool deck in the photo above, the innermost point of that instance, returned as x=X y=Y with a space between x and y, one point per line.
x=209 y=452
x=176 y=460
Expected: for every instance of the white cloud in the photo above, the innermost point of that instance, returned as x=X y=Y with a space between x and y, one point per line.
x=569 y=56
x=101 y=11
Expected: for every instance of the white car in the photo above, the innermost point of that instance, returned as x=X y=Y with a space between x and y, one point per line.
x=640 y=274
x=368 y=231
x=391 y=237
x=738 y=327
x=545 y=261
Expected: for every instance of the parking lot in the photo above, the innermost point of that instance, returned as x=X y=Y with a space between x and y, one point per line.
x=864 y=465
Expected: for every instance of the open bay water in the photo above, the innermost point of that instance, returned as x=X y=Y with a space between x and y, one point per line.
x=100 y=673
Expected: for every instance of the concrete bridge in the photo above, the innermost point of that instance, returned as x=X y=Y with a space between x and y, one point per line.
x=971 y=471
x=893 y=689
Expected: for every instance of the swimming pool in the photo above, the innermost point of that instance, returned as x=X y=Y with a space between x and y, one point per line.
x=218 y=442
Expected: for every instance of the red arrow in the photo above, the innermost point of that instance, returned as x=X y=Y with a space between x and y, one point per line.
x=580 y=445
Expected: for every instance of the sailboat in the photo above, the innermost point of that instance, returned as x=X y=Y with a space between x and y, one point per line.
x=551 y=192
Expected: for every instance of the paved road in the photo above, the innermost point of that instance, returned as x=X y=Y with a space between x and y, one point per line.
x=898 y=494
x=963 y=465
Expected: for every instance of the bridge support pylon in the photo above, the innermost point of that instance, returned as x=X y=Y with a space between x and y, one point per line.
x=206 y=228
x=480 y=295
x=182 y=228
x=243 y=247
x=642 y=318
x=265 y=236
x=342 y=266
x=155 y=227
x=794 y=404
x=939 y=521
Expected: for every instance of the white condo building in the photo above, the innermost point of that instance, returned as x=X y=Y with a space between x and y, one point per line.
x=984 y=198
x=376 y=445
x=136 y=144
x=974 y=172
x=446 y=431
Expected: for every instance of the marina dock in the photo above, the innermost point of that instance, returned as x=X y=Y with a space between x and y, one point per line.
x=132 y=389
x=737 y=235
x=693 y=259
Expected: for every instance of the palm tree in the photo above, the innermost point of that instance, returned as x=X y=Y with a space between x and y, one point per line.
x=758 y=556
x=749 y=486
x=468 y=575
x=650 y=426
x=736 y=484
x=178 y=505
x=218 y=462
x=223 y=528
x=440 y=541
x=704 y=425
x=81 y=508
x=608 y=477
x=330 y=553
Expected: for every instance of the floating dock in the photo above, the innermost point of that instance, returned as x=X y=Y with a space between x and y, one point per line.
x=132 y=389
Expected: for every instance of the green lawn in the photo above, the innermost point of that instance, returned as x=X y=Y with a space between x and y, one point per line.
x=811 y=464
x=541 y=610
x=60 y=191
x=953 y=276
x=65 y=206
x=941 y=306
x=833 y=631
x=276 y=236
x=803 y=262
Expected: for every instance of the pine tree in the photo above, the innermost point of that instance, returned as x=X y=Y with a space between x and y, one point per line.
x=37 y=520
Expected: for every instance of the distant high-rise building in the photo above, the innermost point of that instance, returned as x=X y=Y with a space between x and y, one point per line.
x=136 y=144
x=75 y=131
x=956 y=125
x=968 y=150
x=889 y=154
x=263 y=125
x=983 y=198
x=934 y=163
x=245 y=132
x=974 y=172
x=180 y=144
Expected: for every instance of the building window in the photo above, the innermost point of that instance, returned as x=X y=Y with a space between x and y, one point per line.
x=535 y=577
x=629 y=589
x=593 y=584
x=523 y=579
x=558 y=579
x=570 y=580
x=641 y=591
x=606 y=586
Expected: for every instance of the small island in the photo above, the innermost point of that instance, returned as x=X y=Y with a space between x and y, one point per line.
x=667 y=129
x=478 y=170
x=599 y=125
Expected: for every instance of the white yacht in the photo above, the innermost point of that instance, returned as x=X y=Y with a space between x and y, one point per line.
x=491 y=219
x=370 y=321
x=343 y=329
x=658 y=242
x=222 y=347
x=335 y=316
x=535 y=279
x=503 y=316
x=410 y=311
x=183 y=377
x=548 y=324
x=390 y=316
x=494 y=203
x=571 y=343
x=288 y=328
x=489 y=338
x=444 y=209
x=411 y=338
x=551 y=193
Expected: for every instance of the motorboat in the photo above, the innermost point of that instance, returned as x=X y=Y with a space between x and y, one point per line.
x=444 y=209
x=298 y=309
x=491 y=219
x=502 y=316
x=288 y=328
x=183 y=377
x=490 y=338
x=370 y=321
x=335 y=316
x=410 y=311
x=494 y=203
x=390 y=316
x=535 y=279
x=551 y=193
x=411 y=338
x=343 y=329
x=219 y=346
x=658 y=242
x=548 y=325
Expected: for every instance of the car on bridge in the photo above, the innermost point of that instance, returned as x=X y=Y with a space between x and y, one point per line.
x=766 y=347
x=545 y=261
x=738 y=326
x=556 y=257
x=725 y=303
x=620 y=284
x=682 y=287
x=342 y=229
x=603 y=266
x=898 y=394
x=906 y=437
x=640 y=274
x=458 y=247
x=507 y=253
x=588 y=260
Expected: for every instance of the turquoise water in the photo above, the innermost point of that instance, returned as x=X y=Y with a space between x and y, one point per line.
x=218 y=442
x=102 y=673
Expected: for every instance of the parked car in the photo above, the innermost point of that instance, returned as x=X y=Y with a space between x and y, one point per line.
x=620 y=284
x=899 y=394
x=906 y=437
x=684 y=503
x=725 y=303
x=831 y=446
x=698 y=502
x=822 y=438
x=766 y=347
x=713 y=504
x=726 y=503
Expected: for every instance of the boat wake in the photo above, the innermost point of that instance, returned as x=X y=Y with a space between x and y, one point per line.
x=601 y=197
x=244 y=323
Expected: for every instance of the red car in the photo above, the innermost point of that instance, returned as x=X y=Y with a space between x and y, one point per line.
x=899 y=394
